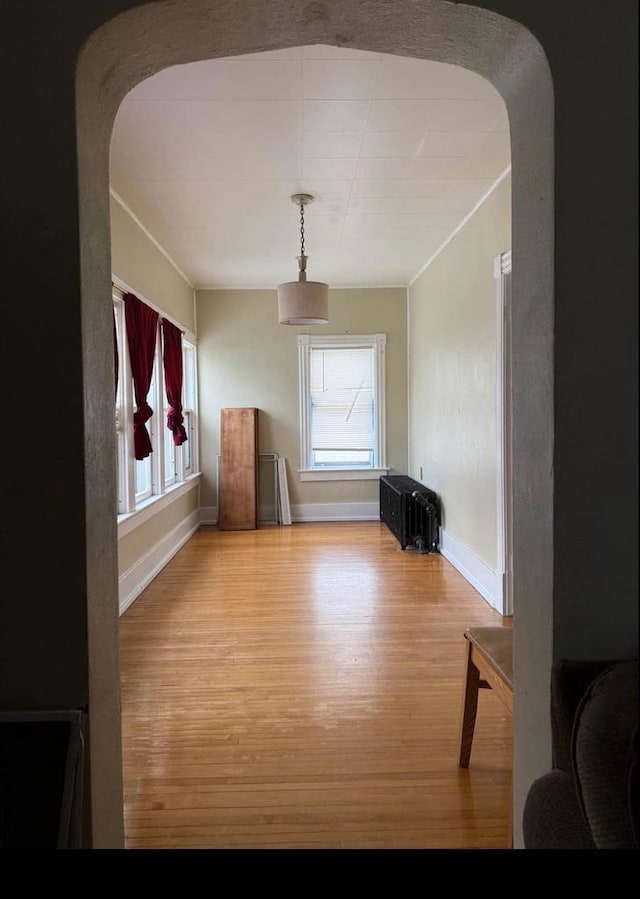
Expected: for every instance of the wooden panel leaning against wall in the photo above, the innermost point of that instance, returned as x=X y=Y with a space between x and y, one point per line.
x=238 y=485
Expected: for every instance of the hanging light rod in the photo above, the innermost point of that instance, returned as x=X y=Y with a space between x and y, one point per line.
x=303 y=302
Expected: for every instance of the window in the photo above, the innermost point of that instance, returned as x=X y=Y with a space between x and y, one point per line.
x=189 y=412
x=342 y=399
x=141 y=482
x=144 y=474
x=118 y=310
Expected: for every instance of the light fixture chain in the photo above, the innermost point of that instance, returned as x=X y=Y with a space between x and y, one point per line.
x=302 y=229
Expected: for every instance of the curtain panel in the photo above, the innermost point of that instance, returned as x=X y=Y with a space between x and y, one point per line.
x=142 y=330
x=173 y=380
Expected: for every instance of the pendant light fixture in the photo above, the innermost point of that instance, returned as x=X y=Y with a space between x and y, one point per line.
x=303 y=302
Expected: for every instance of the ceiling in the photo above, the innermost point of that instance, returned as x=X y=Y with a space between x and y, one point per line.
x=396 y=151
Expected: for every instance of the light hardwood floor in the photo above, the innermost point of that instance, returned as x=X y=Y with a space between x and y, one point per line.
x=300 y=688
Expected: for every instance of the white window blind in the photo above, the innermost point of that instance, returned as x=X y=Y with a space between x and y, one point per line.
x=342 y=406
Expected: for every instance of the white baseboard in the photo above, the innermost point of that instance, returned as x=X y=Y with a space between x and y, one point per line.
x=486 y=581
x=133 y=582
x=310 y=512
x=208 y=514
x=336 y=512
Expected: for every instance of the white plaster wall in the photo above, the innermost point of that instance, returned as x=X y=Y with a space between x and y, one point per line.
x=247 y=359
x=140 y=264
x=452 y=375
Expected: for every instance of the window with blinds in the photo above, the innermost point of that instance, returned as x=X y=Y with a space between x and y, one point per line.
x=342 y=408
x=341 y=404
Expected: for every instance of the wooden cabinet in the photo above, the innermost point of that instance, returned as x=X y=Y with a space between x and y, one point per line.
x=238 y=487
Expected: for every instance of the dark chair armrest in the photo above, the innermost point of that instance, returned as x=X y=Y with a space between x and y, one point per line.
x=569 y=682
x=552 y=817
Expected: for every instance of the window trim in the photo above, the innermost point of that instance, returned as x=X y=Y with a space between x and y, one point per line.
x=307 y=342
x=193 y=429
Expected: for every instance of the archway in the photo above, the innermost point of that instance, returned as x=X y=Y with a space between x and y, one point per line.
x=143 y=40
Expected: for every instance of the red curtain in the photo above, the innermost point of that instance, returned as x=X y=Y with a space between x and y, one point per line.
x=173 y=380
x=142 y=330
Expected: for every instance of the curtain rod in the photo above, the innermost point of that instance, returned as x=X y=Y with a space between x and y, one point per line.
x=124 y=288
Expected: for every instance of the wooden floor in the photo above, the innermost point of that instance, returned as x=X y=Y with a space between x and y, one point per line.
x=300 y=688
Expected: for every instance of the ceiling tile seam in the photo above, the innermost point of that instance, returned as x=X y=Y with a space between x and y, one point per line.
x=130 y=100
x=459 y=227
x=359 y=156
x=251 y=180
x=272 y=289
x=461 y=130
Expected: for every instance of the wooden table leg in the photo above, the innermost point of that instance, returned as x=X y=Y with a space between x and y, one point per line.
x=469 y=708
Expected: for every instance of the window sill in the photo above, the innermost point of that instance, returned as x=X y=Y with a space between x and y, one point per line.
x=155 y=504
x=341 y=474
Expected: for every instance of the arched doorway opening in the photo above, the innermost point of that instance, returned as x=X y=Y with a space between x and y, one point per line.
x=144 y=40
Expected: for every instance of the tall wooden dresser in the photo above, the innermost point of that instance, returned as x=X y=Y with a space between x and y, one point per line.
x=238 y=485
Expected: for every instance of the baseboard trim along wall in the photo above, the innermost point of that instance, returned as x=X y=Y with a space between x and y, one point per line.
x=312 y=512
x=486 y=581
x=208 y=514
x=336 y=512
x=135 y=579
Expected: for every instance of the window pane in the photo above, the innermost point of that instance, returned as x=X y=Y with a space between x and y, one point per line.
x=169 y=452
x=186 y=447
x=189 y=405
x=143 y=475
x=342 y=406
x=188 y=389
x=143 y=478
x=330 y=458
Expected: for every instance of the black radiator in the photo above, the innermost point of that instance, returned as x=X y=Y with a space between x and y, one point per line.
x=411 y=511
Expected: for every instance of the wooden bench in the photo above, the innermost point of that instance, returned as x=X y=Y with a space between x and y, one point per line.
x=489 y=666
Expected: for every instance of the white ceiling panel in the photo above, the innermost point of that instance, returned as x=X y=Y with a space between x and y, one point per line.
x=218 y=144
x=148 y=117
x=398 y=115
x=180 y=168
x=409 y=225
x=464 y=115
x=450 y=143
x=402 y=187
x=232 y=79
x=328 y=168
x=470 y=189
x=392 y=143
x=409 y=205
x=338 y=79
x=246 y=116
x=396 y=151
x=438 y=166
x=425 y=80
x=334 y=115
x=328 y=144
x=381 y=167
